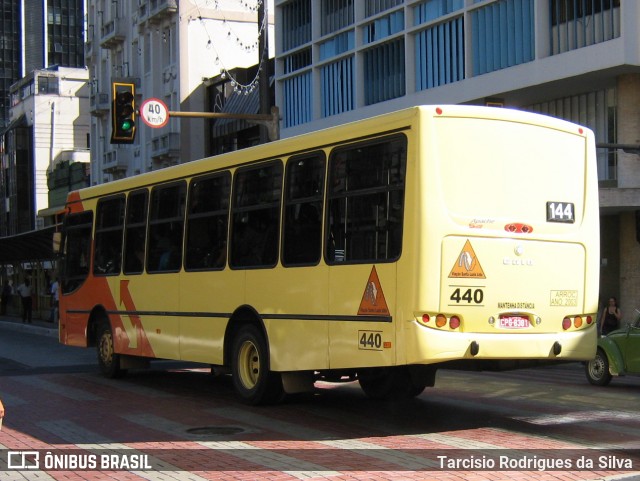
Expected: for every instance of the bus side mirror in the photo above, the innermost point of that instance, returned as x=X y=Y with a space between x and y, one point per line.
x=57 y=238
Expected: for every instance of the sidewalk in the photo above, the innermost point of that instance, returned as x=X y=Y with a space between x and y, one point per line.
x=38 y=326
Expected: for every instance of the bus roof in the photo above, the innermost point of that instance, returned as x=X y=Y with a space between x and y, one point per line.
x=379 y=125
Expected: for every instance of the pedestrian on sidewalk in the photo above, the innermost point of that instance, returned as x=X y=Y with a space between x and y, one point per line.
x=24 y=290
x=55 y=300
x=6 y=296
x=1 y=413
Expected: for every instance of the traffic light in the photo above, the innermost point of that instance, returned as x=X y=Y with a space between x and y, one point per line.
x=123 y=112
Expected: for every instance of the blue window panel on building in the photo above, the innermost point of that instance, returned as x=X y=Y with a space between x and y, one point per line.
x=337 y=87
x=335 y=15
x=384 y=27
x=337 y=45
x=296 y=21
x=432 y=9
x=373 y=7
x=580 y=23
x=384 y=72
x=297 y=100
x=503 y=35
x=440 y=54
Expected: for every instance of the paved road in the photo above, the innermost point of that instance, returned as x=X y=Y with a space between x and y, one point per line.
x=179 y=422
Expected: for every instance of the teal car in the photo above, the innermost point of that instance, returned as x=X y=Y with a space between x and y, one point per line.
x=618 y=354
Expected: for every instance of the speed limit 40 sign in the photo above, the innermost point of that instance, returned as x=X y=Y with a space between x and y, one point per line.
x=154 y=113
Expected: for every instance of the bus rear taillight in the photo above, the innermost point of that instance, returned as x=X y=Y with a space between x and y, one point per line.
x=577 y=322
x=442 y=321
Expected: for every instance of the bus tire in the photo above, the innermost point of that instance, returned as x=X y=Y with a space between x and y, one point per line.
x=597 y=370
x=108 y=360
x=389 y=383
x=252 y=379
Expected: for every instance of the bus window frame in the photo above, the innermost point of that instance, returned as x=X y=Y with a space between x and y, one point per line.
x=287 y=202
x=276 y=206
x=69 y=227
x=128 y=226
x=332 y=195
x=226 y=213
x=155 y=222
x=100 y=231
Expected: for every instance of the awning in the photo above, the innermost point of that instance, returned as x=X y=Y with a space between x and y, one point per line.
x=237 y=104
x=31 y=246
x=51 y=211
x=20 y=121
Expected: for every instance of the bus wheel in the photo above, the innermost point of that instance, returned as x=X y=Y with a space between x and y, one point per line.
x=108 y=360
x=250 y=368
x=389 y=383
x=597 y=370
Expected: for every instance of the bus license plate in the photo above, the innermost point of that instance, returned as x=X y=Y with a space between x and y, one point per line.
x=513 y=322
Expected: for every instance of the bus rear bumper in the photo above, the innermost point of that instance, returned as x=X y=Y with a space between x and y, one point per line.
x=431 y=345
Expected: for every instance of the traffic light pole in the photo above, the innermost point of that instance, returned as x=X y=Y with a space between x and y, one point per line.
x=271 y=121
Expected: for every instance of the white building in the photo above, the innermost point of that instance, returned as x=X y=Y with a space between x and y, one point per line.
x=49 y=129
x=169 y=49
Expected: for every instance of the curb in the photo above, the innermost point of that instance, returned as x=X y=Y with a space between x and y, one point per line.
x=17 y=325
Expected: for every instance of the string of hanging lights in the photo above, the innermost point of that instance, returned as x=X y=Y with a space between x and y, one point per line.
x=238 y=87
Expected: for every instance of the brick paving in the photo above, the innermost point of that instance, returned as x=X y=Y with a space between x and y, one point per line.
x=190 y=428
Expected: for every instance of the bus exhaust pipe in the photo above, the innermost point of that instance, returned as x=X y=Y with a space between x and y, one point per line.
x=557 y=348
x=474 y=348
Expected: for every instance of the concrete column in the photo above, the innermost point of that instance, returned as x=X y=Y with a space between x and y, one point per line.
x=628 y=120
x=628 y=125
x=629 y=273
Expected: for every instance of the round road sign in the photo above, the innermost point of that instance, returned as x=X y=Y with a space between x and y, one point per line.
x=154 y=113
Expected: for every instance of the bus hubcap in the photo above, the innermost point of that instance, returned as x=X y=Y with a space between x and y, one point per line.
x=106 y=350
x=249 y=364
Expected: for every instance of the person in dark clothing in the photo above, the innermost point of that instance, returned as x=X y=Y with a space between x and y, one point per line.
x=27 y=302
x=6 y=297
x=610 y=317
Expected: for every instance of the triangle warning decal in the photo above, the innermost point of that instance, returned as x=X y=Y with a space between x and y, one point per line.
x=467 y=264
x=373 y=302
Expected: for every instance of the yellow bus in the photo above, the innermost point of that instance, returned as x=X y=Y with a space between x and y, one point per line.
x=375 y=251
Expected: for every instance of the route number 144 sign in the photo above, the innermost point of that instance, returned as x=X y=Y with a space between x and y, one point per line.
x=154 y=113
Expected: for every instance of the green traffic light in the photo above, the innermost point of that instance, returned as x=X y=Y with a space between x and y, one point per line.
x=126 y=125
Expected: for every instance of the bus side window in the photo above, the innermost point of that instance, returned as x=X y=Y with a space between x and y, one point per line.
x=136 y=232
x=109 y=228
x=207 y=221
x=166 y=223
x=256 y=216
x=76 y=250
x=302 y=229
x=366 y=201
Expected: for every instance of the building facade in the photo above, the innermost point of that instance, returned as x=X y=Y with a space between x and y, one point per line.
x=49 y=132
x=37 y=38
x=37 y=34
x=170 y=50
x=344 y=60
